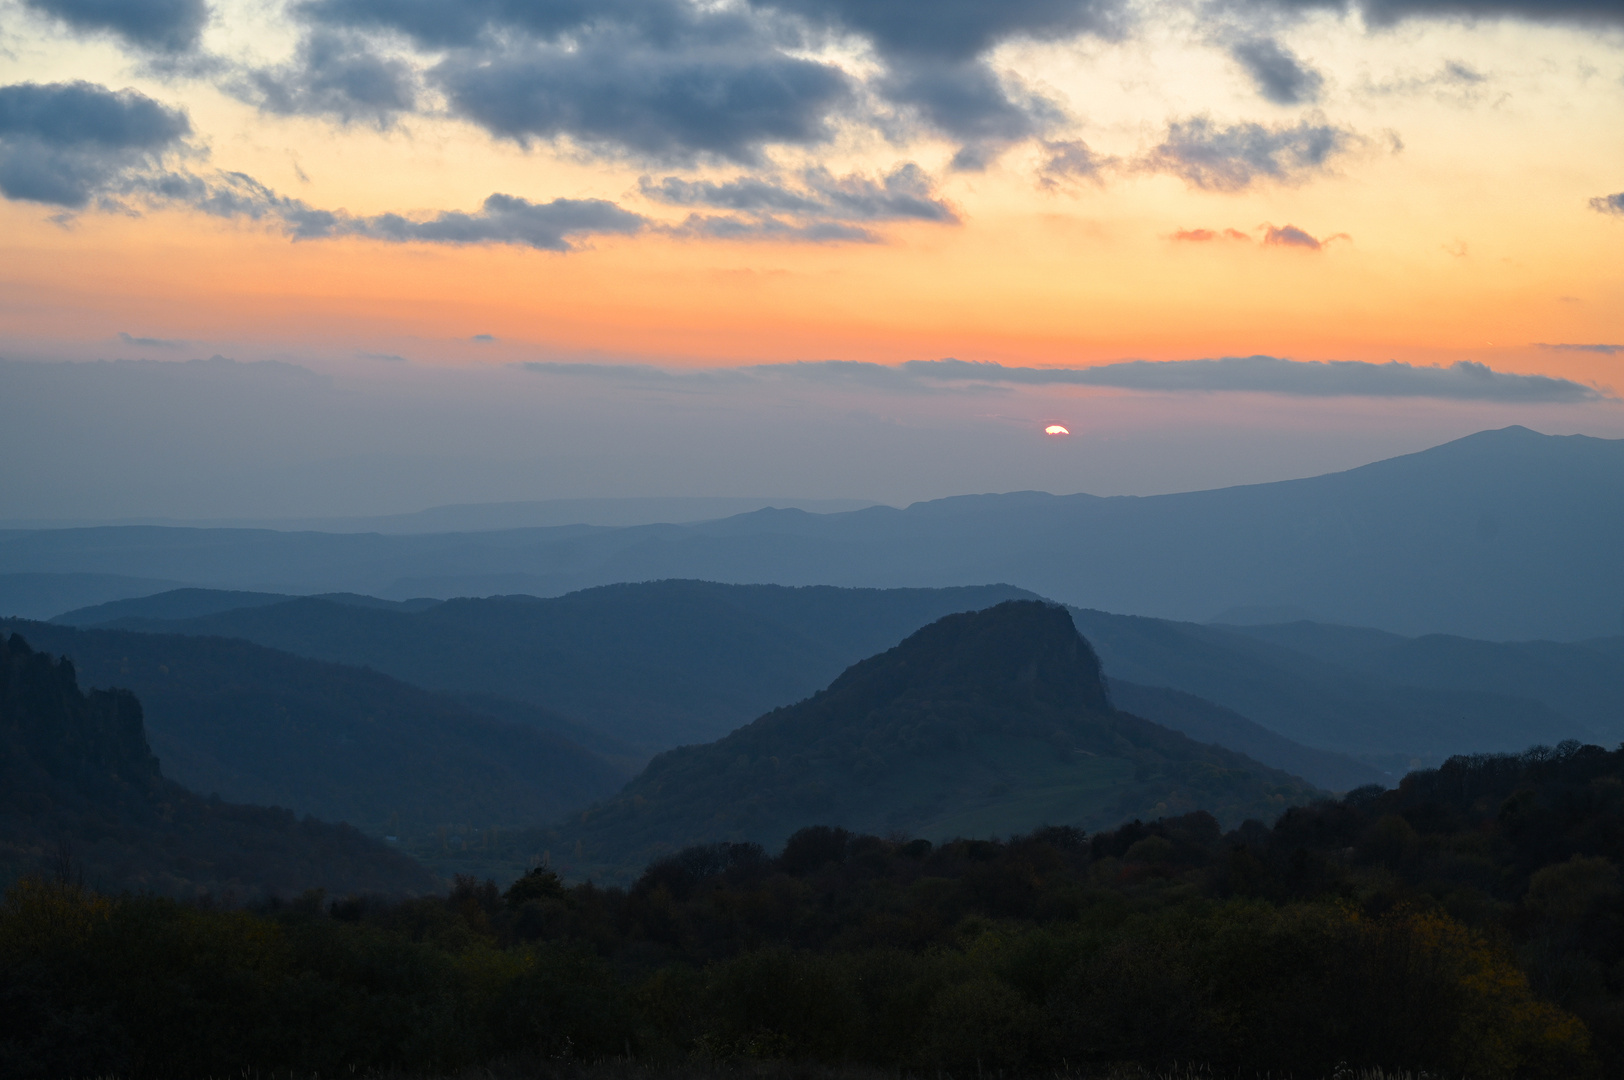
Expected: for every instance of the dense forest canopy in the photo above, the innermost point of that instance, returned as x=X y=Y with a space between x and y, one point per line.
x=1468 y=923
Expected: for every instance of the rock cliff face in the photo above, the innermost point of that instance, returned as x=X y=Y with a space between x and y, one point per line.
x=983 y=723
x=55 y=735
x=80 y=791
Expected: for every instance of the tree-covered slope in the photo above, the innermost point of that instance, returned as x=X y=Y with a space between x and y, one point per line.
x=262 y=726
x=1319 y=702
x=1206 y=722
x=1581 y=680
x=80 y=791
x=981 y=723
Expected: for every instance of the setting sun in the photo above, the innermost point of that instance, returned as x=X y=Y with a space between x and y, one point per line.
x=1055 y=429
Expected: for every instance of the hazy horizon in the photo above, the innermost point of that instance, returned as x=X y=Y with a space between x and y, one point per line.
x=228 y=440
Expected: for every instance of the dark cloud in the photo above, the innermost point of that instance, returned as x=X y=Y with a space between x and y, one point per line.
x=1605 y=349
x=1584 y=12
x=504 y=219
x=335 y=75
x=669 y=79
x=659 y=79
x=149 y=342
x=935 y=54
x=1233 y=158
x=1279 y=76
x=1608 y=204
x=164 y=26
x=907 y=193
x=68 y=143
x=658 y=104
x=483 y=339
x=444 y=24
x=969 y=102
x=957 y=30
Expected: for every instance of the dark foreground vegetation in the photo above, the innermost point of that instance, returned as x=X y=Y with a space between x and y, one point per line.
x=1468 y=924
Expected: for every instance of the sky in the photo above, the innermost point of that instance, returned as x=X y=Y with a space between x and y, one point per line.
x=427 y=251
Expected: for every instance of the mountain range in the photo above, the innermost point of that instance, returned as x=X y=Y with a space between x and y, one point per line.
x=1502 y=535
x=659 y=664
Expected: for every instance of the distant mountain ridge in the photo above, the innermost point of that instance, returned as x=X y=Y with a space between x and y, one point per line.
x=1318 y=702
x=82 y=793
x=659 y=664
x=981 y=723
x=654 y=664
x=1503 y=535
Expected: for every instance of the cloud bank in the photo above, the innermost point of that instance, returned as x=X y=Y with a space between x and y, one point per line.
x=816 y=205
x=1462 y=381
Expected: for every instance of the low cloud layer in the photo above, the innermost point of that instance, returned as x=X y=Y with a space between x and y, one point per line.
x=559 y=225
x=1462 y=381
x=1232 y=158
x=149 y=342
x=1608 y=204
x=1605 y=349
x=815 y=205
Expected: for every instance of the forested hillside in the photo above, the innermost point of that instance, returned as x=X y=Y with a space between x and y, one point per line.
x=81 y=794
x=1390 y=722
x=982 y=723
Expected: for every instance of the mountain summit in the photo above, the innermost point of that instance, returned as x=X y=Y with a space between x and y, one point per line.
x=982 y=723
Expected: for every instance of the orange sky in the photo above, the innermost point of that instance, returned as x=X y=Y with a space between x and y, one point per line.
x=1460 y=217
